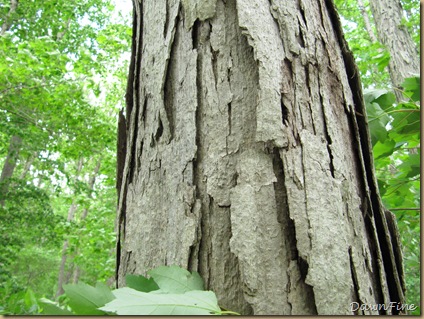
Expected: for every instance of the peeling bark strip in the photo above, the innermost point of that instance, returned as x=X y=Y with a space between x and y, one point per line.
x=246 y=160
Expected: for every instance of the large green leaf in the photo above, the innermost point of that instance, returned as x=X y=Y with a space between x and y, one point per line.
x=412 y=88
x=51 y=308
x=85 y=299
x=383 y=149
x=386 y=101
x=141 y=283
x=370 y=95
x=406 y=121
x=173 y=279
x=132 y=302
x=377 y=121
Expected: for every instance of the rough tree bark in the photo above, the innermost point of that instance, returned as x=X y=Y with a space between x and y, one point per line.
x=404 y=58
x=9 y=166
x=367 y=22
x=247 y=158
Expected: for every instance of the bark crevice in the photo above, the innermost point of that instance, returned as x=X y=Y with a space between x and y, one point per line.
x=355 y=282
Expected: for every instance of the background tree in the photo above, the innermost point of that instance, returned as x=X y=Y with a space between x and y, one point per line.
x=248 y=159
x=394 y=35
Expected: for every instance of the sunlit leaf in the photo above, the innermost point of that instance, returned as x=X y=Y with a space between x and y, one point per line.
x=132 y=302
x=173 y=279
x=383 y=149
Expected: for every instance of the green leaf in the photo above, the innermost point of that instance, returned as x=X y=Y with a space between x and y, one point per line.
x=29 y=298
x=406 y=121
x=51 y=308
x=383 y=149
x=141 y=283
x=411 y=167
x=132 y=302
x=412 y=88
x=386 y=100
x=377 y=126
x=85 y=299
x=382 y=60
x=370 y=95
x=173 y=279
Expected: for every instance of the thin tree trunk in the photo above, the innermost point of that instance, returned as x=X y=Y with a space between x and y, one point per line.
x=28 y=165
x=249 y=160
x=404 y=58
x=92 y=180
x=62 y=269
x=7 y=21
x=63 y=278
x=367 y=22
x=9 y=166
x=15 y=141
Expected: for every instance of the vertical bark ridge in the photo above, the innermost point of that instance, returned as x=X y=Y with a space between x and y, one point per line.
x=300 y=295
x=355 y=284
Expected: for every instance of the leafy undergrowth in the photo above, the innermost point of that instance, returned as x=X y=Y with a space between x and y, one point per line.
x=170 y=290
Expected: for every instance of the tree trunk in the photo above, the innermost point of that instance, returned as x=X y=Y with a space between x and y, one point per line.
x=90 y=184
x=367 y=22
x=30 y=159
x=63 y=278
x=9 y=166
x=8 y=19
x=404 y=58
x=248 y=159
x=62 y=269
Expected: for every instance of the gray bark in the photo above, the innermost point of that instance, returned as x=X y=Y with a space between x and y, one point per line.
x=28 y=164
x=248 y=158
x=9 y=165
x=8 y=19
x=367 y=22
x=404 y=58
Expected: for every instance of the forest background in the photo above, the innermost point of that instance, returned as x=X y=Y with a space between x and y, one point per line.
x=63 y=70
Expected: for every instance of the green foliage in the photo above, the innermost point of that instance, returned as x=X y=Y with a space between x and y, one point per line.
x=62 y=79
x=171 y=290
x=23 y=302
x=27 y=218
